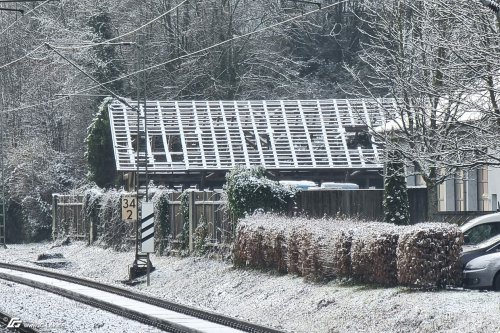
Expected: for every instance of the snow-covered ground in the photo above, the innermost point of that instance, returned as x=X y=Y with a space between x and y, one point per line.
x=51 y=313
x=283 y=302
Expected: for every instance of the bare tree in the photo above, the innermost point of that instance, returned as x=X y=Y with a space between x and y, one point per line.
x=418 y=53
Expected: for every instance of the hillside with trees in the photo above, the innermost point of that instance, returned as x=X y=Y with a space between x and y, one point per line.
x=431 y=55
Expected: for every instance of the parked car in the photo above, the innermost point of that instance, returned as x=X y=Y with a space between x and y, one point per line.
x=483 y=272
x=481 y=228
x=481 y=236
x=299 y=184
x=472 y=251
x=339 y=186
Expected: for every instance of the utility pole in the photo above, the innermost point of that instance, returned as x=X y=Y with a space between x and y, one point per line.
x=2 y=199
x=142 y=261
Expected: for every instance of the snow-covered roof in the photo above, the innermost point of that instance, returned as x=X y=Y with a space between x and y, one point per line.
x=278 y=134
x=471 y=107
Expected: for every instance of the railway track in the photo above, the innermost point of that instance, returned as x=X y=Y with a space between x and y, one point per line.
x=170 y=326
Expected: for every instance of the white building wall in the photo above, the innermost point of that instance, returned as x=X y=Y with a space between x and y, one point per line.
x=493 y=187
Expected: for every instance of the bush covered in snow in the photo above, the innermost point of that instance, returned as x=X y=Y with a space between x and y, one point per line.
x=424 y=255
x=162 y=220
x=427 y=255
x=102 y=213
x=112 y=230
x=33 y=172
x=91 y=202
x=248 y=189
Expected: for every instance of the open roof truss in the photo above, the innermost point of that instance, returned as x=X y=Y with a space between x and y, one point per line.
x=279 y=135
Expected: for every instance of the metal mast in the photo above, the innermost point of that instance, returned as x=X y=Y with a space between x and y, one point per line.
x=2 y=198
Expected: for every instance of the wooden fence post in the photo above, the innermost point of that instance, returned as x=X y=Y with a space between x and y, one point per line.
x=54 y=216
x=191 y=220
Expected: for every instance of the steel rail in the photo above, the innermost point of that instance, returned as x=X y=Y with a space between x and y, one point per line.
x=201 y=314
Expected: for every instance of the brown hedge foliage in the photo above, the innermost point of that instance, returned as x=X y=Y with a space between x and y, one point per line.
x=373 y=258
x=428 y=255
x=371 y=252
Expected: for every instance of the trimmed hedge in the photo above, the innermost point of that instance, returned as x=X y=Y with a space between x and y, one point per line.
x=374 y=259
x=425 y=255
x=428 y=255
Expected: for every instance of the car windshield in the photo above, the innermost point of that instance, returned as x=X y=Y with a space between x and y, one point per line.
x=481 y=233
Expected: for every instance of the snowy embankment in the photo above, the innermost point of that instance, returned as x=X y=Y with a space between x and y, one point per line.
x=284 y=302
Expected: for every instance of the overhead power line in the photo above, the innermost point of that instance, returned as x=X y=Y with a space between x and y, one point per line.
x=217 y=45
x=12 y=10
x=12 y=1
x=175 y=59
x=21 y=58
x=109 y=41
x=26 y=14
x=121 y=36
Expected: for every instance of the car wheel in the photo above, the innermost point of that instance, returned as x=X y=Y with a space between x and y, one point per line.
x=496 y=282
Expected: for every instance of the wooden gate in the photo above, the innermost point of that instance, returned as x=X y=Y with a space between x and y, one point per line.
x=67 y=217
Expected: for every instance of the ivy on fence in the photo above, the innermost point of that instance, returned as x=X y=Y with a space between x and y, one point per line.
x=248 y=189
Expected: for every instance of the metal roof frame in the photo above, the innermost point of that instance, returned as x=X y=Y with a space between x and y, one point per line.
x=185 y=136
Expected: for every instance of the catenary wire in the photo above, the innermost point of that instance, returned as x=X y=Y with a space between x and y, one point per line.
x=175 y=59
x=14 y=23
x=22 y=57
x=121 y=36
x=25 y=15
x=87 y=45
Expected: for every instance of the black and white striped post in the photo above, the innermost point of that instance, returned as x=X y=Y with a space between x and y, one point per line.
x=147 y=232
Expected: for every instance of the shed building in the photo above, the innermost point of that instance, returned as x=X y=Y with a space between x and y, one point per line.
x=198 y=142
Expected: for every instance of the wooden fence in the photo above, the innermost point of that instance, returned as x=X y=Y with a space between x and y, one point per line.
x=203 y=206
x=365 y=204
x=67 y=216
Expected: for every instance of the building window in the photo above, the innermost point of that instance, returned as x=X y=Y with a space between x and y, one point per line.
x=441 y=197
x=482 y=189
x=459 y=192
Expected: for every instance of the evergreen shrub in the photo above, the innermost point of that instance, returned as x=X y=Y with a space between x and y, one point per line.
x=248 y=189
x=99 y=154
x=162 y=220
x=396 y=207
x=113 y=231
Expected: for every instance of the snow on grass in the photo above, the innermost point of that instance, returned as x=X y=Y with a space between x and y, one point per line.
x=283 y=302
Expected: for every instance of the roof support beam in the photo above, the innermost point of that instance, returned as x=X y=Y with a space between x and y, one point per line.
x=183 y=138
x=228 y=134
x=163 y=132
x=308 y=136
x=242 y=135
x=270 y=133
x=214 y=137
x=325 y=136
x=289 y=135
